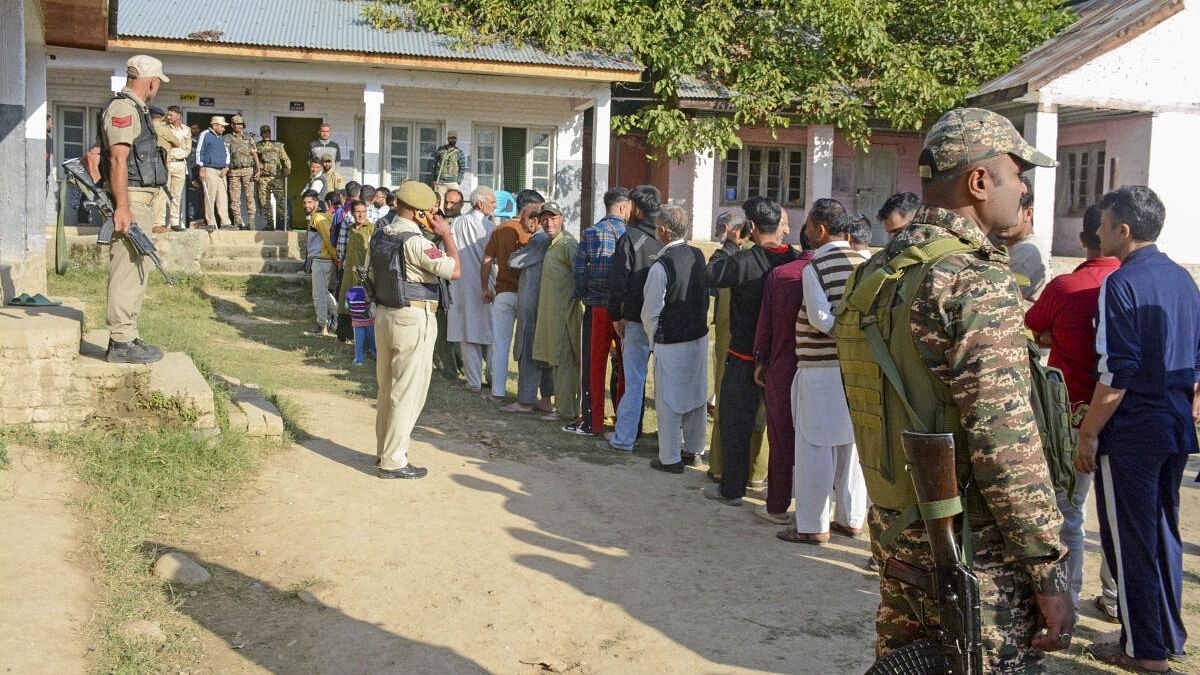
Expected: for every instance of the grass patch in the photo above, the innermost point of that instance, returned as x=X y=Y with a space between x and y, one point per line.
x=142 y=481
x=3 y=454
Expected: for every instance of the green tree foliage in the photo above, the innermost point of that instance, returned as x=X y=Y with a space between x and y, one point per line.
x=839 y=62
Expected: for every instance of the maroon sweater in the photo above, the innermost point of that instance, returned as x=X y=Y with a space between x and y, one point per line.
x=775 y=337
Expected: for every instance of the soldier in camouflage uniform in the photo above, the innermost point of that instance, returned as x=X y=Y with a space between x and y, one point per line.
x=966 y=319
x=274 y=165
x=243 y=171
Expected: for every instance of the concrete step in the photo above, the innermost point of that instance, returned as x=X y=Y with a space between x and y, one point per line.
x=288 y=277
x=252 y=251
x=251 y=265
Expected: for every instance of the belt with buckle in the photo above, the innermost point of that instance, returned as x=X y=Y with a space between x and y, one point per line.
x=431 y=305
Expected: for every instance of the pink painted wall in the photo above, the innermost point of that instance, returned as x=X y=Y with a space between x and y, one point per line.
x=1128 y=140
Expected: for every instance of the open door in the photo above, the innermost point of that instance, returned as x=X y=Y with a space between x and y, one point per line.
x=296 y=133
x=874 y=182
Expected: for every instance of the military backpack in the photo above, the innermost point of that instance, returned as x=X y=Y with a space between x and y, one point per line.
x=890 y=389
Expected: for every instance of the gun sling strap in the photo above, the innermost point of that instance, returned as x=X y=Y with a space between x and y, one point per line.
x=920 y=255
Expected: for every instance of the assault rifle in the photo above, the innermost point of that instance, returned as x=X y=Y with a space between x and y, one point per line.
x=951 y=583
x=95 y=199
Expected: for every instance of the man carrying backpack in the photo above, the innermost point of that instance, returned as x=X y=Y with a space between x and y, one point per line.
x=943 y=334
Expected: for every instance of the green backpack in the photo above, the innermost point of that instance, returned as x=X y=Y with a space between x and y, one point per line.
x=888 y=389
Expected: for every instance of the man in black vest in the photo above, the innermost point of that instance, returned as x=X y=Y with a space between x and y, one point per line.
x=745 y=273
x=134 y=171
x=636 y=251
x=675 y=318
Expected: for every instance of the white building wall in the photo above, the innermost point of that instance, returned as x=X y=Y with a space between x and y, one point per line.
x=1154 y=71
x=1174 y=147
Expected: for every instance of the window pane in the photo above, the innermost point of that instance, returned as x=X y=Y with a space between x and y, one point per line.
x=795 y=189
x=754 y=172
x=73 y=132
x=485 y=156
x=730 y=186
x=539 y=165
x=427 y=145
x=512 y=158
x=398 y=153
x=774 y=172
x=1098 y=188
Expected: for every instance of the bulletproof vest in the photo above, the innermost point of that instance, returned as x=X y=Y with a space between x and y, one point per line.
x=449 y=164
x=269 y=153
x=875 y=318
x=392 y=287
x=146 y=165
x=241 y=155
x=684 y=314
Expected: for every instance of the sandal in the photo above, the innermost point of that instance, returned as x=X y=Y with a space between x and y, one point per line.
x=1112 y=654
x=791 y=536
x=845 y=530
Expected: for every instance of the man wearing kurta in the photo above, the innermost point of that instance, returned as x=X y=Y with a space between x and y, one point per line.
x=469 y=320
x=560 y=314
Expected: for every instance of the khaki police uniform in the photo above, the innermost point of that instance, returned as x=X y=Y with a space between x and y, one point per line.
x=405 y=339
x=274 y=165
x=243 y=161
x=122 y=123
x=177 y=158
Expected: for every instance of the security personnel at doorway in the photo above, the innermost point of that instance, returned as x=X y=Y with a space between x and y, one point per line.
x=133 y=171
x=405 y=269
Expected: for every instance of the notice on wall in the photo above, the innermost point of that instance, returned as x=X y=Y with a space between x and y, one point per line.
x=207 y=102
x=296 y=106
x=187 y=99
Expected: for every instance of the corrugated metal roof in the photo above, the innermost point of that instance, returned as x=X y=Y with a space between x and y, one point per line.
x=1103 y=25
x=323 y=25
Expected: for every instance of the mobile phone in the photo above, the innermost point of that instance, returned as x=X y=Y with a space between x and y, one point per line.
x=422 y=218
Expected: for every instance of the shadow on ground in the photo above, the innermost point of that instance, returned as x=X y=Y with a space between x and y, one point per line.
x=277 y=631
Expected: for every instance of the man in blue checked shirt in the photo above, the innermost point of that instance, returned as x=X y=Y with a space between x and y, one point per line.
x=1140 y=427
x=593 y=262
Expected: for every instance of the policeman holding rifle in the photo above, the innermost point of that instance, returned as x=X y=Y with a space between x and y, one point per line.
x=133 y=171
x=405 y=270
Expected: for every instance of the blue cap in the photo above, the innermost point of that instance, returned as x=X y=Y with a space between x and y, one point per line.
x=506 y=204
x=155 y=110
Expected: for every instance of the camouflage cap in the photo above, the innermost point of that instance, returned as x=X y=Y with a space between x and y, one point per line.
x=237 y=119
x=552 y=208
x=417 y=195
x=965 y=136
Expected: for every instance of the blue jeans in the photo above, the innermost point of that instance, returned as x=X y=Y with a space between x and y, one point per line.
x=364 y=340
x=635 y=353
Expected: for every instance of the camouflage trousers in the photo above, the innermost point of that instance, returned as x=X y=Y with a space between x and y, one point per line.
x=1009 y=608
x=273 y=185
x=241 y=183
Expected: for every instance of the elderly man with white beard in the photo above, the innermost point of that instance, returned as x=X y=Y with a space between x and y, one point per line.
x=469 y=320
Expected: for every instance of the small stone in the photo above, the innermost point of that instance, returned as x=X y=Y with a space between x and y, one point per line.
x=177 y=568
x=318 y=594
x=143 y=631
x=259 y=552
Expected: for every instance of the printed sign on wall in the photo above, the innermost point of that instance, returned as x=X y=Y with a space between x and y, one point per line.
x=207 y=102
x=296 y=106
x=187 y=98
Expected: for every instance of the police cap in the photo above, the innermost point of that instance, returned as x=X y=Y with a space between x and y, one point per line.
x=967 y=136
x=417 y=195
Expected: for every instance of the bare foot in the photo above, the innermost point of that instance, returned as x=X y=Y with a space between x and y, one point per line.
x=517 y=408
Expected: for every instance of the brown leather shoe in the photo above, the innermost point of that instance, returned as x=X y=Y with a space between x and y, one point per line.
x=845 y=530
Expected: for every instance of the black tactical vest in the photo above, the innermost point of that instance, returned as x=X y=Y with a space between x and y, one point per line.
x=392 y=287
x=146 y=166
x=684 y=316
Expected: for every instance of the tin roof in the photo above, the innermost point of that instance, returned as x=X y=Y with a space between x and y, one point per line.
x=1103 y=25
x=320 y=25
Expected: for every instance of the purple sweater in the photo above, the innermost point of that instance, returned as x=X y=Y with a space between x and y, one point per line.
x=775 y=336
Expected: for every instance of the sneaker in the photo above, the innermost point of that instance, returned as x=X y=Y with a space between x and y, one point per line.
x=757 y=485
x=131 y=352
x=713 y=492
x=605 y=445
x=576 y=428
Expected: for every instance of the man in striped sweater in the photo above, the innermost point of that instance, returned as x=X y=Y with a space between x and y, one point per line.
x=825 y=452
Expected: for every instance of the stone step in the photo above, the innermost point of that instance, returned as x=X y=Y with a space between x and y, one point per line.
x=288 y=277
x=249 y=266
x=252 y=251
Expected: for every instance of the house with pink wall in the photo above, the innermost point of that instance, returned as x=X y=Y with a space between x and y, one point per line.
x=1116 y=100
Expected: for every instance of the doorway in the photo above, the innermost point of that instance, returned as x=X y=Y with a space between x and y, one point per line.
x=296 y=133
x=874 y=182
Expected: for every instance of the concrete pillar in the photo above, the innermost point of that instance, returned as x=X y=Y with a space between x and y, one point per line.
x=373 y=108
x=704 y=187
x=22 y=231
x=117 y=81
x=1174 y=146
x=567 y=188
x=1041 y=131
x=601 y=133
x=820 y=164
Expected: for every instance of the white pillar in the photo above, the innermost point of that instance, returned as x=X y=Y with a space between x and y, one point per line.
x=601 y=132
x=372 y=113
x=35 y=146
x=820 y=163
x=704 y=188
x=1174 y=146
x=1041 y=131
x=117 y=82
x=567 y=181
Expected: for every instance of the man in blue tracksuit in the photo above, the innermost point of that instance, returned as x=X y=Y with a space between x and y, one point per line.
x=1140 y=426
